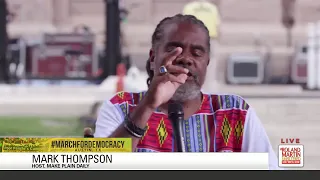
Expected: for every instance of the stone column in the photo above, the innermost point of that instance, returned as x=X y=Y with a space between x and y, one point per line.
x=60 y=12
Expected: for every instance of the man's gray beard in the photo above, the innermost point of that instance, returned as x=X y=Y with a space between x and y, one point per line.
x=187 y=91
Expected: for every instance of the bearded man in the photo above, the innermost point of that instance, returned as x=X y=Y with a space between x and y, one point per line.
x=177 y=67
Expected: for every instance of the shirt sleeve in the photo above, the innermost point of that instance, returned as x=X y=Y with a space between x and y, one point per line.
x=109 y=119
x=255 y=139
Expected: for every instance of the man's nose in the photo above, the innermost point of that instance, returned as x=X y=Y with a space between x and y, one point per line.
x=183 y=61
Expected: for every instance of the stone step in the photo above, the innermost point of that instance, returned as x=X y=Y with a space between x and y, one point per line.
x=278 y=52
x=231 y=33
x=46 y=110
x=285 y=108
x=306 y=132
x=271 y=34
x=259 y=28
x=258 y=10
x=270 y=39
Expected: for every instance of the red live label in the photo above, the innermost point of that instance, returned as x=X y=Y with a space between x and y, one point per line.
x=290 y=141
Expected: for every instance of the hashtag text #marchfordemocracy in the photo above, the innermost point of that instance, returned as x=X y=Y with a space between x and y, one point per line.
x=177 y=66
x=87 y=144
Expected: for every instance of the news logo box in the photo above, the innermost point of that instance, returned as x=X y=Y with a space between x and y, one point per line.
x=291 y=153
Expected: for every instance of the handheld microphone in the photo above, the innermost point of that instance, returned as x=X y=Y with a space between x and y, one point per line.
x=176 y=115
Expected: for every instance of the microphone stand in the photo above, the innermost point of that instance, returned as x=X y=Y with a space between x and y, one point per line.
x=176 y=115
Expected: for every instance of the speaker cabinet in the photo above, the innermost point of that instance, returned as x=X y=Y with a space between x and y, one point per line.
x=245 y=69
x=299 y=69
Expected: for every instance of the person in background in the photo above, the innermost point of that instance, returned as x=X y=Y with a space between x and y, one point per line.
x=209 y=14
x=177 y=68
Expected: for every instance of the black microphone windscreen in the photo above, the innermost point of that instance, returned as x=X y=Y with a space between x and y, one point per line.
x=175 y=111
x=176 y=115
x=175 y=107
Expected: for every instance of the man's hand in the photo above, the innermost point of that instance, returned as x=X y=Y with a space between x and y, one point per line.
x=163 y=86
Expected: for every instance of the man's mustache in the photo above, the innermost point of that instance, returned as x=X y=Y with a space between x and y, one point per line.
x=195 y=77
x=191 y=73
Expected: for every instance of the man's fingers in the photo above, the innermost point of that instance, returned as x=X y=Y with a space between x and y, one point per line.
x=181 y=78
x=172 y=56
x=173 y=69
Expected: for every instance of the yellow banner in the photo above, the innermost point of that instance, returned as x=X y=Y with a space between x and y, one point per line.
x=66 y=145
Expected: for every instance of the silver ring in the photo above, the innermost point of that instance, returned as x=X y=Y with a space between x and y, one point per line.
x=163 y=70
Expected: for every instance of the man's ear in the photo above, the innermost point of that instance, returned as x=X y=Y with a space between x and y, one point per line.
x=151 y=58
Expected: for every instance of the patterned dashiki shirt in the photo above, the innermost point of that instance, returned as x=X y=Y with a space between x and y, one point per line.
x=223 y=123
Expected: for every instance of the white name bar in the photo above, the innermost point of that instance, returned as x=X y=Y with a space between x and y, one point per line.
x=134 y=161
